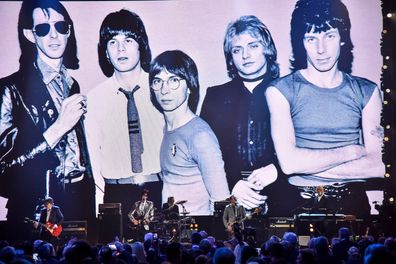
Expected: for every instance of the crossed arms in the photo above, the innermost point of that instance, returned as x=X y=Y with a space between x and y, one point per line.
x=344 y=163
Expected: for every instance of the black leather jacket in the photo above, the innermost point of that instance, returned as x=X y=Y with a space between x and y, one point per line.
x=26 y=111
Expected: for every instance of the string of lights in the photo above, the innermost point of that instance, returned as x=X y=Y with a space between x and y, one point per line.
x=388 y=83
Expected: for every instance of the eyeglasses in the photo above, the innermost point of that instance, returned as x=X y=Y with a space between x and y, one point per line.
x=42 y=30
x=173 y=83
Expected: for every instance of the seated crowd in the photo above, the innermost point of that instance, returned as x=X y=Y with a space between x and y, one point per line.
x=205 y=249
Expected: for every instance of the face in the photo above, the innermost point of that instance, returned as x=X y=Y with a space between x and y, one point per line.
x=144 y=197
x=48 y=206
x=323 y=49
x=168 y=98
x=53 y=44
x=234 y=200
x=320 y=190
x=123 y=53
x=248 y=56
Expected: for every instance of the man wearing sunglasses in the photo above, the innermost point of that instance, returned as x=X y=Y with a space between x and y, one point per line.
x=43 y=144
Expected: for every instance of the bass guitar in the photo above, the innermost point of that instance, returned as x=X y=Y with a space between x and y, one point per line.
x=54 y=231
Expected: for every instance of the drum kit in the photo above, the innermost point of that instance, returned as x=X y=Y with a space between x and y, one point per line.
x=174 y=228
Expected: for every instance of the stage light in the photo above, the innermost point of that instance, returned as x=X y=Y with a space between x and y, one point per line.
x=384 y=31
x=311 y=230
x=387 y=127
x=391 y=199
x=387 y=57
x=385 y=102
x=389 y=15
x=387 y=175
x=386 y=139
x=385 y=67
x=387 y=90
x=388 y=165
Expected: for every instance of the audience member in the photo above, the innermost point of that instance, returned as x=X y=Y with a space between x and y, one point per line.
x=340 y=250
x=223 y=256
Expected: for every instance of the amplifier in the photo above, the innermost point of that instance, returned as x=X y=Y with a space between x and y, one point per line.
x=279 y=225
x=110 y=208
x=74 y=226
x=283 y=222
x=73 y=229
x=219 y=208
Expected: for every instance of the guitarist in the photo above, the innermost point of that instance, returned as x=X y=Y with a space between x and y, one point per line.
x=51 y=217
x=232 y=216
x=141 y=215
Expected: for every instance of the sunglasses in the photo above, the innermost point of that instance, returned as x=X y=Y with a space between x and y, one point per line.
x=42 y=30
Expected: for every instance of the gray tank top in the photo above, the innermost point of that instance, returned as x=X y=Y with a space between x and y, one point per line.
x=326 y=118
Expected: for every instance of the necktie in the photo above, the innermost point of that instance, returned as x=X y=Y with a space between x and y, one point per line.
x=135 y=134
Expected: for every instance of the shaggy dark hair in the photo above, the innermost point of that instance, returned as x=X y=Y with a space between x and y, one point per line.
x=25 y=21
x=130 y=24
x=180 y=64
x=320 y=15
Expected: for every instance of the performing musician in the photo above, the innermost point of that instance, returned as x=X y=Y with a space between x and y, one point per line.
x=51 y=218
x=233 y=216
x=141 y=215
x=170 y=212
x=320 y=201
x=320 y=205
x=170 y=209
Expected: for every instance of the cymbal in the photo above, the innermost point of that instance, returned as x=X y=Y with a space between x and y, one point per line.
x=181 y=202
x=185 y=219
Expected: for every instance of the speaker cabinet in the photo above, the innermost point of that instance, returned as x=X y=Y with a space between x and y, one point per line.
x=73 y=229
x=110 y=226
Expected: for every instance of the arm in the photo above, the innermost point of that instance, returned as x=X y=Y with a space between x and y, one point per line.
x=59 y=217
x=13 y=113
x=370 y=165
x=225 y=217
x=94 y=136
x=132 y=212
x=206 y=153
x=293 y=159
x=11 y=98
x=150 y=215
x=72 y=109
x=43 y=214
x=242 y=212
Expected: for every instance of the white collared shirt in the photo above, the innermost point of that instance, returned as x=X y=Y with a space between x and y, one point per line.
x=106 y=126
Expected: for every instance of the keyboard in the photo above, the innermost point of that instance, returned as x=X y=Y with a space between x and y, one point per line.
x=327 y=217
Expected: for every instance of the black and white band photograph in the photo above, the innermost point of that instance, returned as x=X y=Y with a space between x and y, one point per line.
x=197 y=131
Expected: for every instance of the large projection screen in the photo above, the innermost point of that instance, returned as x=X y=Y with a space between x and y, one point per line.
x=197 y=28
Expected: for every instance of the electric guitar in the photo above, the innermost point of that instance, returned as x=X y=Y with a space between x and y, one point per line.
x=135 y=223
x=231 y=225
x=55 y=231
